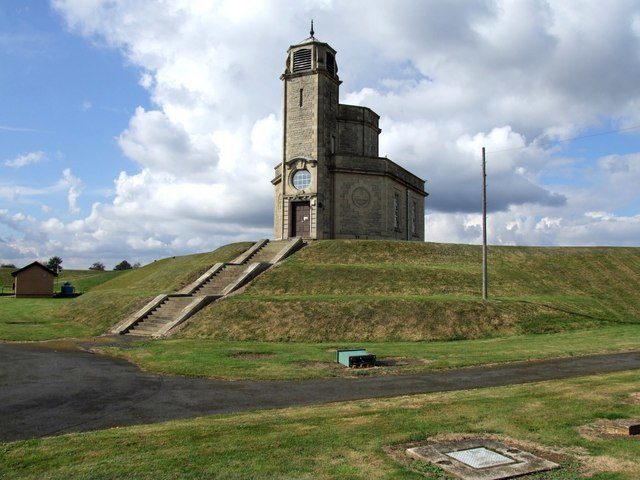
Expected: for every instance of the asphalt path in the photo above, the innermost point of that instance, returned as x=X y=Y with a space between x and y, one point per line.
x=46 y=391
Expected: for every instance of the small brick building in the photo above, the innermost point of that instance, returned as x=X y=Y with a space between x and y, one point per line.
x=331 y=182
x=34 y=280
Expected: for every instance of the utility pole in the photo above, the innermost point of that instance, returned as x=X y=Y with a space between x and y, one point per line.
x=485 y=277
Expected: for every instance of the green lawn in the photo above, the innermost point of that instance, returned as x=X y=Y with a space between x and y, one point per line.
x=108 y=297
x=28 y=319
x=346 y=440
x=358 y=290
x=278 y=361
x=25 y=319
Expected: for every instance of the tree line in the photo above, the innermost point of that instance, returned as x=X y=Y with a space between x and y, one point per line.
x=55 y=264
x=123 y=265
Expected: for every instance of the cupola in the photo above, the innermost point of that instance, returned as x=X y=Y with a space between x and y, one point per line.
x=311 y=56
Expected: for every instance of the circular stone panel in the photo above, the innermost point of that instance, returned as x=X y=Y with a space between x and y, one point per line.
x=360 y=197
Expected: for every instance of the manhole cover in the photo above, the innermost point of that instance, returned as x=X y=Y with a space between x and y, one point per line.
x=480 y=457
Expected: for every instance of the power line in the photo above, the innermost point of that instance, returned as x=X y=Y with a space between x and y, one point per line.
x=598 y=134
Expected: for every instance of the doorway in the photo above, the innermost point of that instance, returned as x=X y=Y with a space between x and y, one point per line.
x=301 y=219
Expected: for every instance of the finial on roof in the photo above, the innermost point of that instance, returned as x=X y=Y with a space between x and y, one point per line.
x=311 y=31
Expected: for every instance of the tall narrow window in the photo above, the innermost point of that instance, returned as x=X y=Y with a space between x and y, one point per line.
x=331 y=63
x=414 y=218
x=396 y=211
x=332 y=146
x=301 y=96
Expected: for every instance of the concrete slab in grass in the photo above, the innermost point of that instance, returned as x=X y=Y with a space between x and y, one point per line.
x=481 y=459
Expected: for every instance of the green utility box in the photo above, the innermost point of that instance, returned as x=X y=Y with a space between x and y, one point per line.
x=356 y=358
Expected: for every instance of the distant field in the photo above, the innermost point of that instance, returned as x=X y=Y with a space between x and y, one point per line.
x=83 y=280
x=405 y=291
x=109 y=297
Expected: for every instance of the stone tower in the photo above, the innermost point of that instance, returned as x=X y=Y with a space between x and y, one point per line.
x=331 y=182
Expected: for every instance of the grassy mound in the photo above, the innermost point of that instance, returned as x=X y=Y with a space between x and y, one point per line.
x=403 y=291
x=105 y=302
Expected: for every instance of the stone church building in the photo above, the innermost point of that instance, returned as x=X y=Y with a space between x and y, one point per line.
x=331 y=183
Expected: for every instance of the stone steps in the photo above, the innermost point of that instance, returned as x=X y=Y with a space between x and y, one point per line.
x=169 y=309
x=166 y=312
x=216 y=284
x=270 y=250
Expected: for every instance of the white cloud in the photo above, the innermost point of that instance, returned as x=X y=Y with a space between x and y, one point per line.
x=155 y=141
x=53 y=226
x=74 y=186
x=9 y=128
x=23 y=194
x=26 y=159
x=446 y=77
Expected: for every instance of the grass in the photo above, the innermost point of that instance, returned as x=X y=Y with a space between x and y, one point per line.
x=109 y=297
x=28 y=319
x=356 y=290
x=278 y=361
x=391 y=297
x=42 y=318
x=345 y=440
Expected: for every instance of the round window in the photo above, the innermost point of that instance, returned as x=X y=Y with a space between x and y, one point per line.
x=301 y=179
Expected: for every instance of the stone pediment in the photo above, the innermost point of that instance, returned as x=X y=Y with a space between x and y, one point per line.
x=301 y=162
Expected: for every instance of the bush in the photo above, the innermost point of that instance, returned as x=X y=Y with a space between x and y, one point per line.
x=123 y=265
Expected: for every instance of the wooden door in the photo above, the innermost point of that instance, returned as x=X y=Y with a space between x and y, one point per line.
x=301 y=219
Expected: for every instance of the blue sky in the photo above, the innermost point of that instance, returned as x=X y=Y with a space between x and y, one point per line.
x=64 y=96
x=146 y=130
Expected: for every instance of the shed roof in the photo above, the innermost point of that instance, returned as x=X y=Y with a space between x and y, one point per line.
x=34 y=264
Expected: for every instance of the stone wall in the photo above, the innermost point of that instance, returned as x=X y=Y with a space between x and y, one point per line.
x=301 y=121
x=377 y=165
x=365 y=208
x=327 y=142
x=357 y=131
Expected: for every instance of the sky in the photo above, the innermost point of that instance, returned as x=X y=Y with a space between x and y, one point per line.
x=140 y=130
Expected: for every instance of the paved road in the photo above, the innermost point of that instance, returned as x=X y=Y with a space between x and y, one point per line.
x=46 y=392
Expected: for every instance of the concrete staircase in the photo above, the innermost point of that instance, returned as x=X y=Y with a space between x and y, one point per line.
x=165 y=312
x=268 y=251
x=218 y=283
x=160 y=317
x=221 y=280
